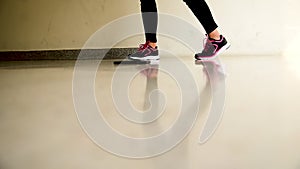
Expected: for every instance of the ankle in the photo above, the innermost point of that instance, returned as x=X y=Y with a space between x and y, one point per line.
x=152 y=44
x=216 y=37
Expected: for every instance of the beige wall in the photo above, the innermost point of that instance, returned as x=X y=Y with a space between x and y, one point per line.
x=55 y=24
x=253 y=26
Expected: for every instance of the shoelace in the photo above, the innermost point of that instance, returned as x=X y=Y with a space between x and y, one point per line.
x=144 y=46
x=206 y=44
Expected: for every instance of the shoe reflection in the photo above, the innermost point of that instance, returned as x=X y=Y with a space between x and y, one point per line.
x=152 y=97
x=213 y=70
x=215 y=91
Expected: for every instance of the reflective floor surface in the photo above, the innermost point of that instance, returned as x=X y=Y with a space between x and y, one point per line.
x=240 y=113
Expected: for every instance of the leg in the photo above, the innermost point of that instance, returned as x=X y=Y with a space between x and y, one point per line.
x=215 y=43
x=149 y=50
x=150 y=19
x=203 y=14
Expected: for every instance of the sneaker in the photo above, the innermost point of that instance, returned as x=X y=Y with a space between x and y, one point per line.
x=212 y=48
x=145 y=52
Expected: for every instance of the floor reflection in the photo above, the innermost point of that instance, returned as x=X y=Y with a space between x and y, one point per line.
x=215 y=75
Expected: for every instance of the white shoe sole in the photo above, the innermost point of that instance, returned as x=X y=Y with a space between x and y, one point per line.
x=146 y=58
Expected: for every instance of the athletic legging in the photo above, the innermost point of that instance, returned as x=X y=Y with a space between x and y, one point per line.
x=198 y=7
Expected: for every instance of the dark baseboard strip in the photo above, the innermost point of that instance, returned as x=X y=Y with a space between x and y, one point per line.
x=88 y=54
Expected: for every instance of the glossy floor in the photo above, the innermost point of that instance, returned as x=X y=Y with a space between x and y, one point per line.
x=259 y=126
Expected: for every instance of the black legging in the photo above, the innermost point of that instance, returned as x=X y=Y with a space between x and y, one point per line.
x=198 y=7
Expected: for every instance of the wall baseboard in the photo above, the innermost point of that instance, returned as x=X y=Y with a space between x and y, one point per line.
x=86 y=54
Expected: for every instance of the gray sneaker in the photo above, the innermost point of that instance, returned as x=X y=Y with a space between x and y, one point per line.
x=212 y=48
x=145 y=52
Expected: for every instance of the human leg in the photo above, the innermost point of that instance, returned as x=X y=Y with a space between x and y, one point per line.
x=150 y=20
x=148 y=51
x=204 y=15
x=215 y=43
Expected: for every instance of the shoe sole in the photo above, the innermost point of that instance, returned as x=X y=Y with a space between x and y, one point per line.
x=224 y=48
x=145 y=58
